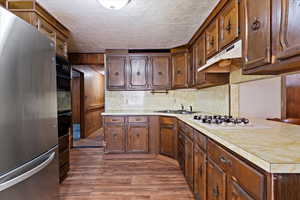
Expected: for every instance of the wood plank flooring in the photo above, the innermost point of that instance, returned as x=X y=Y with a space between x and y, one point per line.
x=95 y=139
x=92 y=178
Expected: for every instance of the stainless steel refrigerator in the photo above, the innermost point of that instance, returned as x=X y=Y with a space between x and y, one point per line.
x=28 y=112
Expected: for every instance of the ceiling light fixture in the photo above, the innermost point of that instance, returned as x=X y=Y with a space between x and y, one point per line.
x=114 y=4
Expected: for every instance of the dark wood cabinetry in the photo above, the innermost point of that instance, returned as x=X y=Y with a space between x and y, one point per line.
x=257 y=38
x=160 y=72
x=199 y=57
x=137 y=138
x=116 y=72
x=180 y=69
x=189 y=161
x=229 y=23
x=216 y=182
x=168 y=137
x=138 y=72
x=181 y=151
x=126 y=134
x=115 y=139
x=199 y=172
x=289 y=30
x=212 y=38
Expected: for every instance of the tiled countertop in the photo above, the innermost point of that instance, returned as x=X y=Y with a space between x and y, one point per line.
x=275 y=149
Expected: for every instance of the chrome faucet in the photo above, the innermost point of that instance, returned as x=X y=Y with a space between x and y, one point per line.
x=182 y=106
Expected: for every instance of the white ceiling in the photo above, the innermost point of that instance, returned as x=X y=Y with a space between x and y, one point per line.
x=142 y=24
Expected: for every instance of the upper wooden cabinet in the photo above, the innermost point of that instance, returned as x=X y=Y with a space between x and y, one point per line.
x=212 y=38
x=229 y=23
x=180 y=70
x=257 y=38
x=137 y=72
x=33 y=13
x=160 y=72
x=116 y=72
x=289 y=30
x=3 y=3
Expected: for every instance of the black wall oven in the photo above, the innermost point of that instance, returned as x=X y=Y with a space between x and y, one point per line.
x=64 y=96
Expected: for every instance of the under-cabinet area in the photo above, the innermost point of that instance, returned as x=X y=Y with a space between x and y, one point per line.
x=212 y=170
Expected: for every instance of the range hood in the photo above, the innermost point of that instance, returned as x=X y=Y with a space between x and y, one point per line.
x=230 y=55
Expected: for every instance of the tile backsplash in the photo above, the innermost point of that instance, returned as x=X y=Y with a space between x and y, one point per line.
x=212 y=100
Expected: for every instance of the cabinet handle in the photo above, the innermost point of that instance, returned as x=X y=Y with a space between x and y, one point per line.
x=212 y=41
x=178 y=72
x=138 y=135
x=228 y=27
x=256 y=25
x=216 y=191
x=116 y=73
x=200 y=170
x=160 y=73
x=115 y=135
x=224 y=160
x=138 y=73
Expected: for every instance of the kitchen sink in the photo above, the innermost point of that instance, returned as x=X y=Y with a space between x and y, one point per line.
x=176 y=111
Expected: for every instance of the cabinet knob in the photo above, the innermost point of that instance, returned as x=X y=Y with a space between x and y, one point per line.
x=212 y=41
x=216 y=191
x=228 y=27
x=178 y=72
x=160 y=73
x=224 y=160
x=116 y=73
x=138 y=73
x=256 y=25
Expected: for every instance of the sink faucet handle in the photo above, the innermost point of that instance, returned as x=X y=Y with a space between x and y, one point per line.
x=182 y=106
x=191 y=108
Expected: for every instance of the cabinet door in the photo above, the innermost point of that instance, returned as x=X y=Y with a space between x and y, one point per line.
x=229 y=23
x=181 y=152
x=289 y=29
x=200 y=59
x=137 y=70
x=199 y=173
x=180 y=70
x=115 y=139
x=116 y=72
x=160 y=77
x=235 y=192
x=257 y=38
x=212 y=38
x=189 y=164
x=216 y=182
x=167 y=142
x=137 y=139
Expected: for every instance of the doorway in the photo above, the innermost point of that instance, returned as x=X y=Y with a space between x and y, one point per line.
x=77 y=125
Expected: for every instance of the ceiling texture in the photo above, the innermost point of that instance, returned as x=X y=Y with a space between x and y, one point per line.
x=142 y=24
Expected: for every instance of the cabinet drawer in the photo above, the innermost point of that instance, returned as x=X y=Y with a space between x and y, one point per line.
x=114 y=120
x=138 y=119
x=167 y=121
x=246 y=176
x=200 y=139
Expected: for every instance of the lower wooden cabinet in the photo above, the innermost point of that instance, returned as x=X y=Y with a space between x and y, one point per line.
x=216 y=182
x=199 y=173
x=115 y=139
x=137 y=139
x=181 y=152
x=168 y=137
x=189 y=162
x=126 y=134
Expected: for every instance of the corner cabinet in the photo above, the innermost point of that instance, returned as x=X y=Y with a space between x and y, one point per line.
x=116 y=72
x=180 y=63
x=168 y=137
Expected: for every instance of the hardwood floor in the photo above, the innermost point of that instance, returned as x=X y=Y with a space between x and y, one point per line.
x=92 y=178
x=95 y=140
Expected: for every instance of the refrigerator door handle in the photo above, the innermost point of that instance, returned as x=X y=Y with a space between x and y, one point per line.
x=14 y=177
